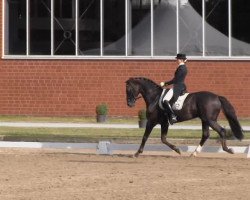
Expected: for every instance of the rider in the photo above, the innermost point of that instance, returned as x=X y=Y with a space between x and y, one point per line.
x=179 y=86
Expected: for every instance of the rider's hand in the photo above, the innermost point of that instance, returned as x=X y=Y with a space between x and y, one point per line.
x=162 y=84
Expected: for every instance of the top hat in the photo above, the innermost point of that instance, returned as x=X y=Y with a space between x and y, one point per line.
x=181 y=56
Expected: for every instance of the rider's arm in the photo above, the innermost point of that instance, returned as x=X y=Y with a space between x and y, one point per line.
x=167 y=83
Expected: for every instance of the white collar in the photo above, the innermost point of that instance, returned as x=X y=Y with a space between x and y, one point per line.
x=182 y=63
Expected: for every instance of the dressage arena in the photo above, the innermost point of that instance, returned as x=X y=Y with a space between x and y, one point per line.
x=81 y=174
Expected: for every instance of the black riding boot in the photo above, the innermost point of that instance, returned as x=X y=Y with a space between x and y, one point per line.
x=171 y=115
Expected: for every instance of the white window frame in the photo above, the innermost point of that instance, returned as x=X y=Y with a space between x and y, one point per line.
x=101 y=56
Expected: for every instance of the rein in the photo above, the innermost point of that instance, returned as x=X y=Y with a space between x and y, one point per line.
x=136 y=98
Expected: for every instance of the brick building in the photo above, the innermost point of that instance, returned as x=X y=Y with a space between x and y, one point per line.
x=62 y=58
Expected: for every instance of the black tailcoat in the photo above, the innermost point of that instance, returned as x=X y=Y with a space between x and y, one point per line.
x=178 y=82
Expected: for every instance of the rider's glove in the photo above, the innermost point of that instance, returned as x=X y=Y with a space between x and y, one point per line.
x=162 y=84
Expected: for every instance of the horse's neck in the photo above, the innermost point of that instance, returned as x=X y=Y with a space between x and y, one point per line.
x=150 y=94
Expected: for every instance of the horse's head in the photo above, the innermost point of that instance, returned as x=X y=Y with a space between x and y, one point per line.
x=148 y=89
x=132 y=91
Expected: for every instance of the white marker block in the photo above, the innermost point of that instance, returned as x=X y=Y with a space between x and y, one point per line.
x=104 y=147
x=248 y=152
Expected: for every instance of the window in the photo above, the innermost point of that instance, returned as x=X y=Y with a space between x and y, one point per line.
x=139 y=17
x=216 y=28
x=126 y=28
x=89 y=21
x=114 y=28
x=16 y=28
x=240 y=27
x=190 y=28
x=165 y=28
x=40 y=27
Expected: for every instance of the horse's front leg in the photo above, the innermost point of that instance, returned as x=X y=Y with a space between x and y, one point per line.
x=164 y=132
x=147 y=132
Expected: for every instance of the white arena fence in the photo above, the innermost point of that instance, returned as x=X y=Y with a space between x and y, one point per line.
x=107 y=148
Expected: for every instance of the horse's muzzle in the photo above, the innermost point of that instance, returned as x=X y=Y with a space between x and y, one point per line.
x=131 y=104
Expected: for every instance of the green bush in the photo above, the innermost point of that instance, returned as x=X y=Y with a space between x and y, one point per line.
x=142 y=114
x=102 y=109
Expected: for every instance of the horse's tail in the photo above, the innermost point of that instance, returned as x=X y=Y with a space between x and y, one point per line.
x=229 y=112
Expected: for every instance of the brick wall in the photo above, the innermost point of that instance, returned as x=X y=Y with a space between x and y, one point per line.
x=75 y=87
x=1 y=36
x=59 y=88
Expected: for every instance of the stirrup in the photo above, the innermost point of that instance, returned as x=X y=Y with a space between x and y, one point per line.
x=172 y=119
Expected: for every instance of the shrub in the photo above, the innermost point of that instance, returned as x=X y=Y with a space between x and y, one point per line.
x=142 y=114
x=102 y=109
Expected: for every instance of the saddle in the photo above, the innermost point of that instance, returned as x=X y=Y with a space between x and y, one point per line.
x=168 y=94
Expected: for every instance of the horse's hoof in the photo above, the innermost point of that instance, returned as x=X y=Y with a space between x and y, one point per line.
x=136 y=155
x=230 y=150
x=178 y=151
x=194 y=154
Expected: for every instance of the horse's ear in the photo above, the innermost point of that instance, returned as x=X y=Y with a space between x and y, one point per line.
x=127 y=80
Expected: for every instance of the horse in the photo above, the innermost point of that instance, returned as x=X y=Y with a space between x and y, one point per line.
x=203 y=104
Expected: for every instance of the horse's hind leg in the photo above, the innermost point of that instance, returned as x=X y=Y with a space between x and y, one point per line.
x=222 y=132
x=205 y=136
x=164 y=131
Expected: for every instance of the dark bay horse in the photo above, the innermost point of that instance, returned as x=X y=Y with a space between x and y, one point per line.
x=203 y=105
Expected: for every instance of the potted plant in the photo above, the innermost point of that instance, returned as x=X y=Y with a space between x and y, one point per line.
x=101 y=112
x=142 y=115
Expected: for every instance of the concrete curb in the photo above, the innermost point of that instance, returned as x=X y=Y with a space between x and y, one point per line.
x=107 y=148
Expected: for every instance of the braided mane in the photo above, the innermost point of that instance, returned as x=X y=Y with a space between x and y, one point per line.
x=147 y=81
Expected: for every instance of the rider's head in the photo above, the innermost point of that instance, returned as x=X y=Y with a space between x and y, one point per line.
x=181 y=58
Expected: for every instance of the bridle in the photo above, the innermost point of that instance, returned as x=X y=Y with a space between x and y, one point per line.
x=131 y=97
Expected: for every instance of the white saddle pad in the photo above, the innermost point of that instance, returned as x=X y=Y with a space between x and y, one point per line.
x=167 y=96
